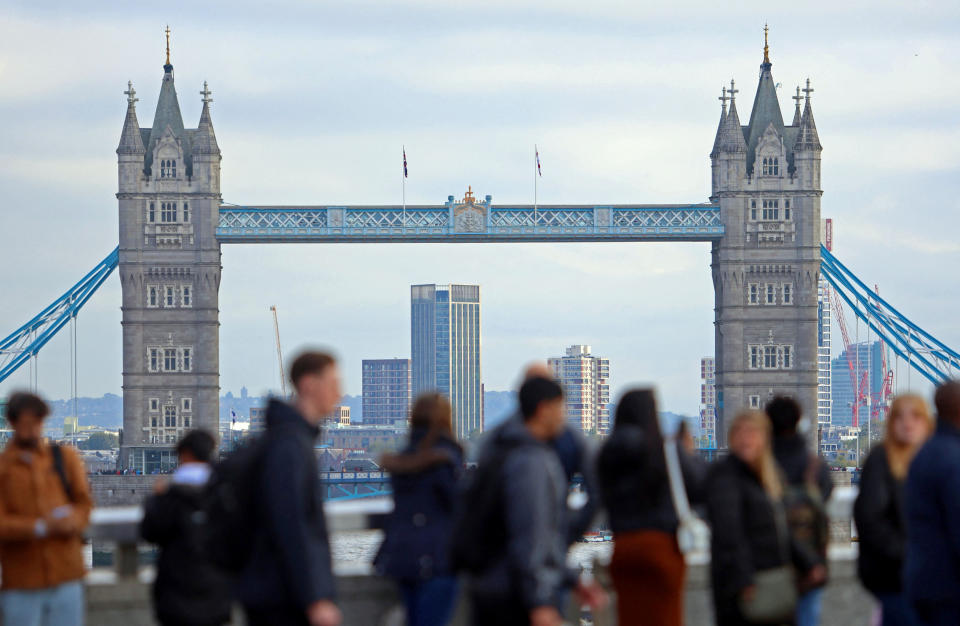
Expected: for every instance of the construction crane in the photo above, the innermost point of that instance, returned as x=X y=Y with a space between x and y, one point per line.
x=856 y=384
x=276 y=332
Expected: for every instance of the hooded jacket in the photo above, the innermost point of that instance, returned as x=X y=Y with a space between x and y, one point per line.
x=188 y=588
x=290 y=567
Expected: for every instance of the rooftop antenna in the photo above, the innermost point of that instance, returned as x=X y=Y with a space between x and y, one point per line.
x=276 y=331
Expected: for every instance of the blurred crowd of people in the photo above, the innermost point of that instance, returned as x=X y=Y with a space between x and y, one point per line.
x=250 y=529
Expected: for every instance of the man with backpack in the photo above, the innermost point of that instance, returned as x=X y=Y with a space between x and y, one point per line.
x=288 y=578
x=173 y=519
x=808 y=487
x=44 y=508
x=513 y=540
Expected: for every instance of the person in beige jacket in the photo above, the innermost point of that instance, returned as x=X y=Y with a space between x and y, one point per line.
x=44 y=508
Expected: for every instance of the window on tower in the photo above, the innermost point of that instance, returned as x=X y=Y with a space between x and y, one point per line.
x=152 y=213
x=186 y=212
x=169 y=360
x=168 y=212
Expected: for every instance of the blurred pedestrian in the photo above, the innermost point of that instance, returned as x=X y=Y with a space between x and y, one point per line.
x=44 y=508
x=751 y=566
x=808 y=487
x=932 y=511
x=577 y=456
x=513 y=538
x=647 y=567
x=188 y=590
x=416 y=546
x=288 y=579
x=878 y=511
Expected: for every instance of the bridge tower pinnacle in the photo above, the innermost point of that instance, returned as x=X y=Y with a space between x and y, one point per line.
x=169 y=266
x=766 y=179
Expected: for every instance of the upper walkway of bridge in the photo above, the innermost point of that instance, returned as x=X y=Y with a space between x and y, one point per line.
x=468 y=220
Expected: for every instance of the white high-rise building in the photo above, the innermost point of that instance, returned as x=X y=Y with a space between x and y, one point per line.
x=585 y=380
x=824 y=362
x=708 y=402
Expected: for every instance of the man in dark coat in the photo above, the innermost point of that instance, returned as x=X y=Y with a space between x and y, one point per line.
x=188 y=590
x=289 y=578
x=932 y=511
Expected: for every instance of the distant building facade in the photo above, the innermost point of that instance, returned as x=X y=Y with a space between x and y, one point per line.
x=340 y=416
x=258 y=419
x=708 y=402
x=366 y=438
x=866 y=360
x=585 y=380
x=387 y=389
x=445 y=349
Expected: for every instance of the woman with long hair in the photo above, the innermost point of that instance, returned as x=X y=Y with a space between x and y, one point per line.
x=750 y=542
x=878 y=511
x=415 y=550
x=647 y=567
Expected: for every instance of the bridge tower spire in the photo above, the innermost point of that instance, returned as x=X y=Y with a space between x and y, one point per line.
x=765 y=268
x=169 y=266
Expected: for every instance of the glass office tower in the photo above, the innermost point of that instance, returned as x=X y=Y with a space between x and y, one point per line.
x=445 y=349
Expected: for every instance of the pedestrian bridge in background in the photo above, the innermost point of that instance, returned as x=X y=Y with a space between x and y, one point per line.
x=468 y=220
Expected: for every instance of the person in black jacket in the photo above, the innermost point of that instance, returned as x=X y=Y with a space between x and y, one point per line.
x=931 y=507
x=647 y=567
x=188 y=589
x=416 y=546
x=289 y=577
x=878 y=511
x=749 y=534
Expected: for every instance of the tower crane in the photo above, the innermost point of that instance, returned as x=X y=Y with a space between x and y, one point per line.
x=276 y=332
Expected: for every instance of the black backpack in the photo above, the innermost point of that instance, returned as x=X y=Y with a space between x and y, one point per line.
x=806 y=512
x=230 y=507
x=479 y=527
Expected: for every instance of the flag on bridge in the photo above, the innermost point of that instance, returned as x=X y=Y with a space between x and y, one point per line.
x=404 y=161
x=537 y=155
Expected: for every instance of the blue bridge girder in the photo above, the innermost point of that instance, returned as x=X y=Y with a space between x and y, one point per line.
x=464 y=222
x=25 y=342
x=354 y=485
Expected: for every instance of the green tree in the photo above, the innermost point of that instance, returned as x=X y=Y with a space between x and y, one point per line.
x=100 y=441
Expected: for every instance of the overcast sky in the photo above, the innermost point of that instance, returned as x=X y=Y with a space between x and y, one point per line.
x=312 y=102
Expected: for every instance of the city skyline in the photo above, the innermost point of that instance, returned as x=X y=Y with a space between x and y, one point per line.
x=631 y=158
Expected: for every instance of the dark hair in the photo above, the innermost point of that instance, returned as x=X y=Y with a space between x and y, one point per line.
x=432 y=411
x=309 y=363
x=21 y=402
x=638 y=409
x=536 y=391
x=199 y=444
x=947 y=400
x=784 y=413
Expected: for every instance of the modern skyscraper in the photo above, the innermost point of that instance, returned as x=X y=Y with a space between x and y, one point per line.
x=584 y=378
x=708 y=402
x=824 y=313
x=445 y=349
x=866 y=360
x=386 y=391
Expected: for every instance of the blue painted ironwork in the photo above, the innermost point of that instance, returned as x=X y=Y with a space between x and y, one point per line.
x=354 y=485
x=23 y=343
x=482 y=222
x=925 y=353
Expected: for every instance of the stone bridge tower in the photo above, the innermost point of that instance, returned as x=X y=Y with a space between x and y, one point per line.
x=169 y=198
x=766 y=179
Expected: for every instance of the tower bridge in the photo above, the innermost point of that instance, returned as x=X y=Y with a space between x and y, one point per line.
x=762 y=219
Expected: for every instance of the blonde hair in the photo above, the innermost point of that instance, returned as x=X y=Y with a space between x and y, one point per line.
x=766 y=466
x=899 y=455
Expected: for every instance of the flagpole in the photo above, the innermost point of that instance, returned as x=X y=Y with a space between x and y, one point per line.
x=403 y=184
x=534 y=187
